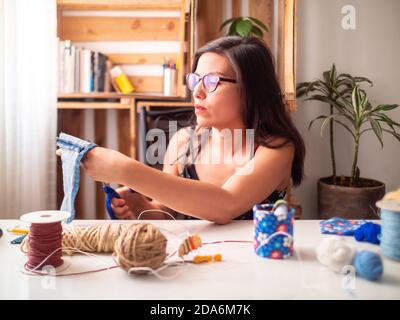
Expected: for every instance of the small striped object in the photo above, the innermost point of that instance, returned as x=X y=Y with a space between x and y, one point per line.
x=189 y=244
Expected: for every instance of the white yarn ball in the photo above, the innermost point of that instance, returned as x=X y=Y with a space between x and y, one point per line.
x=335 y=253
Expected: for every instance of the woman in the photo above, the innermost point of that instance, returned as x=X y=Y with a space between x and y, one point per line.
x=234 y=88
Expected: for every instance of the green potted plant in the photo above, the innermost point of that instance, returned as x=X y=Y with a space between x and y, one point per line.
x=350 y=196
x=244 y=27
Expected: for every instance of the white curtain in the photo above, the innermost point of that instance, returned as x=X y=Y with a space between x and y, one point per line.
x=28 y=113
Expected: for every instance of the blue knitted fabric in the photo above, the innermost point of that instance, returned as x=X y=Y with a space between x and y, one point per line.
x=340 y=226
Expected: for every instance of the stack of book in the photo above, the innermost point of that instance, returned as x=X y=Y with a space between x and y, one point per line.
x=82 y=70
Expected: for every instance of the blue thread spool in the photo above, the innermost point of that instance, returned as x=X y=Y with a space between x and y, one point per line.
x=273 y=230
x=390 y=223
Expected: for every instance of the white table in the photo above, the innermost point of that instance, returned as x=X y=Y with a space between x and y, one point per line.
x=241 y=275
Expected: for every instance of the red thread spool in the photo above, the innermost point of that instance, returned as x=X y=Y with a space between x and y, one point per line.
x=44 y=245
x=45 y=239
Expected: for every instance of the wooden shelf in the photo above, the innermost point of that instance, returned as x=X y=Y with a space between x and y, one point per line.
x=115 y=95
x=92 y=105
x=119 y=4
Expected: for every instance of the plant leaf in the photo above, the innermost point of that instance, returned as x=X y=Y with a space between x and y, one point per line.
x=226 y=22
x=387 y=107
x=315 y=119
x=232 y=29
x=301 y=89
x=260 y=23
x=377 y=129
x=326 y=76
x=386 y=119
x=257 y=31
x=326 y=121
x=362 y=79
x=356 y=101
x=243 y=28
x=332 y=75
x=394 y=134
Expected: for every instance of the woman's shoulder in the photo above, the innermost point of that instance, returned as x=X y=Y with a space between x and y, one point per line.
x=271 y=146
x=275 y=142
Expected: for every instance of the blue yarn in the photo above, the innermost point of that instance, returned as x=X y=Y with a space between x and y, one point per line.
x=368 y=265
x=390 y=241
x=369 y=232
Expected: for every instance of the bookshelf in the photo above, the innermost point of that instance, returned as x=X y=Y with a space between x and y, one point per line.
x=112 y=27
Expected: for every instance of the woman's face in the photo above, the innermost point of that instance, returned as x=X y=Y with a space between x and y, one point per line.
x=221 y=108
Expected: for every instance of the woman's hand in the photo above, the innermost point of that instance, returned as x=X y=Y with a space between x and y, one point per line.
x=123 y=207
x=103 y=164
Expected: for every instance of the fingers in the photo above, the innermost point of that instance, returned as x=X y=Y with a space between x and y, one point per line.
x=118 y=202
x=121 y=210
x=59 y=152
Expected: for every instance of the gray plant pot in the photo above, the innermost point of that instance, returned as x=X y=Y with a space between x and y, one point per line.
x=349 y=202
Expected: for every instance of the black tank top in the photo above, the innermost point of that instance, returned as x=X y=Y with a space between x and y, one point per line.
x=189 y=172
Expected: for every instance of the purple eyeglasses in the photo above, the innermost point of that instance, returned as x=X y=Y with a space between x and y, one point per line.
x=210 y=81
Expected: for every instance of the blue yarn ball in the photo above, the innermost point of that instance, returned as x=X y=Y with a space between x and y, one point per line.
x=368 y=265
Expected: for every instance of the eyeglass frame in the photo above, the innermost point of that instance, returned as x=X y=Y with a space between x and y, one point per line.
x=202 y=80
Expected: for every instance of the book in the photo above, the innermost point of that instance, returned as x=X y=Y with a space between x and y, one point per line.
x=68 y=74
x=85 y=72
x=82 y=70
x=61 y=50
x=77 y=69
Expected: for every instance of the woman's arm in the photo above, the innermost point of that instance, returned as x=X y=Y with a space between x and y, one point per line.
x=133 y=204
x=250 y=185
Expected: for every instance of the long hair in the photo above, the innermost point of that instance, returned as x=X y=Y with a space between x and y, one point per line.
x=263 y=107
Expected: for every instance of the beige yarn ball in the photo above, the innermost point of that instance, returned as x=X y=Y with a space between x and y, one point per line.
x=141 y=245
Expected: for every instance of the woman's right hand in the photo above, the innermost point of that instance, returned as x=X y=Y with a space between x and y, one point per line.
x=123 y=207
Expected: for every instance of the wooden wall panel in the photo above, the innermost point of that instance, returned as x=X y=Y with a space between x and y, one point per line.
x=263 y=10
x=143 y=58
x=118 y=28
x=119 y=4
x=100 y=139
x=287 y=50
x=209 y=19
x=123 y=132
x=237 y=8
x=147 y=84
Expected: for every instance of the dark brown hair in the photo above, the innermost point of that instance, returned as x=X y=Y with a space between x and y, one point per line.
x=264 y=107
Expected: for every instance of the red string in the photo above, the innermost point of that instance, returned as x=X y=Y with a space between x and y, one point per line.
x=45 y=245
x=45 y=249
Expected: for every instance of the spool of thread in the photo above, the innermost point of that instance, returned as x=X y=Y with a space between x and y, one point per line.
x=390 y=223
x=273 y=230
x=45 y=237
